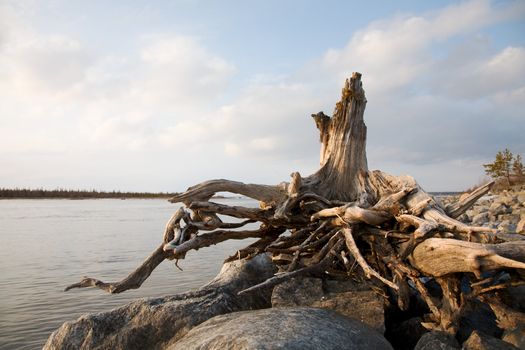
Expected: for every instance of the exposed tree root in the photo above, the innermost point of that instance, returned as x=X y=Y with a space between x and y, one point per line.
x=346 y=220
x=133 y=281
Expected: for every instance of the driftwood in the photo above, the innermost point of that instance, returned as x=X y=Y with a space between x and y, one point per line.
x=345 y=220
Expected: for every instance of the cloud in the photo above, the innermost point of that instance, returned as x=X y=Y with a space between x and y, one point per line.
x=454 y=109
x=426 y=109
x=477 y=77
x=90 y=102
x=48 y=64
x=441 y=96
x=397 y=52
x=180 y=70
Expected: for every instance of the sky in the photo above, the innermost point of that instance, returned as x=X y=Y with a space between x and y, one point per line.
x=161 y=95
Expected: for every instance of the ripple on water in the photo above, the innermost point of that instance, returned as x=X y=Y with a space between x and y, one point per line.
x=48 y=244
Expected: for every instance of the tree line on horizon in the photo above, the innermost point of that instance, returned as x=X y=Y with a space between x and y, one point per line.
x=7 y=193
x=507 y=169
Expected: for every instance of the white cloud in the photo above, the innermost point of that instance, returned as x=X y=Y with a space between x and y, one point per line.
x=396 y=52
x=165 y=100
x=180 y=70
x=423 y=107
x=255 y=147
x=45 y=64
x=58 y=88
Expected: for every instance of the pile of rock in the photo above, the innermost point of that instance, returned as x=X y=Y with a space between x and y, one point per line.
x=304 y=313
x=504 y=211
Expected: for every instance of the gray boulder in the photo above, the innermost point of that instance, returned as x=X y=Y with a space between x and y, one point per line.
x=437 y=341
x=507 y=226
x=298 y=291
x=282 y=328
x=347 y=298
x=156 y=323
x=481 y=341
x=498 y=208
x=480 y=219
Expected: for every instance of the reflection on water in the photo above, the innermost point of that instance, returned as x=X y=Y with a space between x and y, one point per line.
x=48 y=244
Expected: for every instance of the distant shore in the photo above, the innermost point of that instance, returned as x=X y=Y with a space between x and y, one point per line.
x=76 y=194
x=81 y=194
x=94 y=194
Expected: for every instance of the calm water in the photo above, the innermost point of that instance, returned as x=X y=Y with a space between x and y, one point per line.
x=48 y=244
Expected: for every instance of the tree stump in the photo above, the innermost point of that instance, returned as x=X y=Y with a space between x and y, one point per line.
x=345 y=216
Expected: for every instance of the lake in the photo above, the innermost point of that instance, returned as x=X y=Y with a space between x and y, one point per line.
x=46 y=245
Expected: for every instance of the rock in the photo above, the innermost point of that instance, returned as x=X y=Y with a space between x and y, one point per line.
x=298 y=292
x=476 y=210
x=506 y=226
x=483 y=208
x=521 y=197
x=506 y=198
x=514 y=296
x=511 y=218
x=364 y=306
x=476 y=316
x=342 y=296
x=515 y=337
x=481 y=341
x=498 y=208
x=158 y=322
x=464 y=218
x=437 y=341
x=520 y=227
x=406 y=334
x=480 y=219
x=282 y=328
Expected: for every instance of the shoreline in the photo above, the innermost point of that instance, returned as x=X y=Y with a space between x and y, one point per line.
x=91 y=198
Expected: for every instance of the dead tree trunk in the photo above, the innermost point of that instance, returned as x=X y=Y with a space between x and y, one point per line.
x=345 y=215
x=343 y=146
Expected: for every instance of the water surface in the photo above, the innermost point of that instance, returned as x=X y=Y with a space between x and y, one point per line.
x=48 y=244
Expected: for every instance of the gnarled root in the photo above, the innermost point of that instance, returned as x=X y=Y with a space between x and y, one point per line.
x=133 y=281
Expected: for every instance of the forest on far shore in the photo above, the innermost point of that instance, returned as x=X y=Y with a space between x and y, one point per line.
x=6 y=193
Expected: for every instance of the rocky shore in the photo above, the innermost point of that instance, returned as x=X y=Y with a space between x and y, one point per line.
x=503 y=211
x=303 y=312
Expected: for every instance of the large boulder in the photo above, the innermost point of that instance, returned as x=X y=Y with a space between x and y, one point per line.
x=481 y=341
x=156 y=323
x=437 y=341
x=282 y=328
x=298 y=291
x=346 y=297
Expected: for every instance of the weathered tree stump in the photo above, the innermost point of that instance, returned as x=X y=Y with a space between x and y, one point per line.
x=345 y=216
